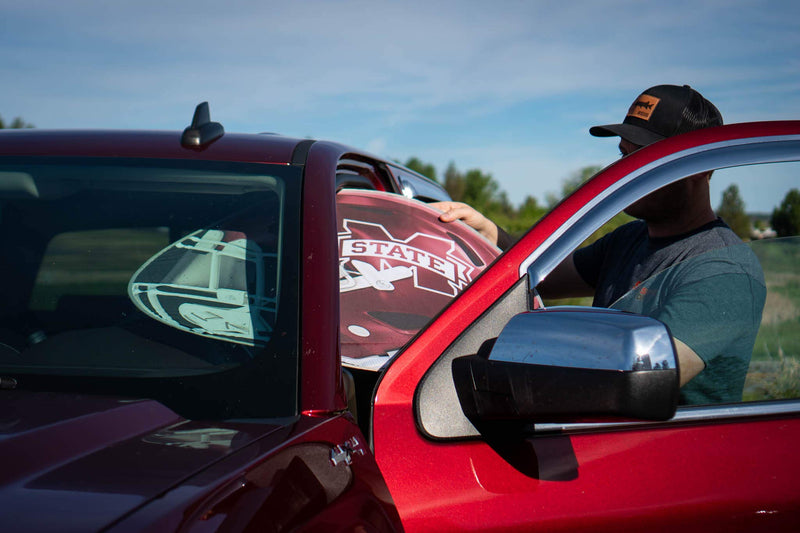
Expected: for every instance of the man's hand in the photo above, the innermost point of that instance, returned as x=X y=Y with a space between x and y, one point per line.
x=460 y=211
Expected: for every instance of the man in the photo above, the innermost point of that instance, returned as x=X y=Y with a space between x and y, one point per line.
x=687 y=267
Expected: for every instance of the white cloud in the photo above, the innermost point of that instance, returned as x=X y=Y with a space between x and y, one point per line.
x=400 y=59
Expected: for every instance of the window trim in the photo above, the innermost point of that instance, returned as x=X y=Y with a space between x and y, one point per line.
x=744 y=412
x=650 y=177
x=414 y=185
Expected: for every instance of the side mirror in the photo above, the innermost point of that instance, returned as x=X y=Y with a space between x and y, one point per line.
x=569 y=364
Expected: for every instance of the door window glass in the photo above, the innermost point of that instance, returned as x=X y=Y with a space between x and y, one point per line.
x=737 y=304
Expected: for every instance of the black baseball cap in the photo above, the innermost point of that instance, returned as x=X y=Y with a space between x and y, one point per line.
x=660 y=112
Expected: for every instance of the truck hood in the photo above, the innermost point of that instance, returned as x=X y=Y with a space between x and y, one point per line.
x=78 y=463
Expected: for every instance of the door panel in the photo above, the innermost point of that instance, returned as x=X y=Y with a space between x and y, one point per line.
x=737 y=476
x=730 y=469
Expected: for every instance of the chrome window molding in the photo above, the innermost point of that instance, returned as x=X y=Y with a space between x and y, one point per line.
x=648 y=178
x=689 y=414
x=418 y=187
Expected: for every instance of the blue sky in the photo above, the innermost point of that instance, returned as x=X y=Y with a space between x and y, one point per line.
x=507 y=87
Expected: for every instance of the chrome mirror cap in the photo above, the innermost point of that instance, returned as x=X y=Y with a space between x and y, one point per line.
x=586 y=337
x=566 y=365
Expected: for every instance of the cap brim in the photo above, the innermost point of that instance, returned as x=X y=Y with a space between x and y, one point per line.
x=635 y=134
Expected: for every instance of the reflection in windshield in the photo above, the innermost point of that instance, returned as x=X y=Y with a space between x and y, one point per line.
x=210 y=283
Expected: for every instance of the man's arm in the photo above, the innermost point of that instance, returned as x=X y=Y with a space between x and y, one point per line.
x=470 y=216
x=689 y=362
x=564 y=282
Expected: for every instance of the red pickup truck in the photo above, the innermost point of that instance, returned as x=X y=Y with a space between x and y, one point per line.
x=205 y=331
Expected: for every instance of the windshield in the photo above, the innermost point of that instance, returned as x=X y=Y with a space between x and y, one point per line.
x=170 y=280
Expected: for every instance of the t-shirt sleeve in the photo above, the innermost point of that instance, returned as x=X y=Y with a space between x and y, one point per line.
x=504 y=240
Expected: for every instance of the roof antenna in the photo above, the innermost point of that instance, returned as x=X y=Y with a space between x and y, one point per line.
x=202 y=131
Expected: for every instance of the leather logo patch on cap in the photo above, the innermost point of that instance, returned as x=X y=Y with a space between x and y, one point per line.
x=643 y=107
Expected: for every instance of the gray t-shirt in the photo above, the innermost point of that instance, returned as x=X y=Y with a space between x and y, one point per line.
x=706 y=286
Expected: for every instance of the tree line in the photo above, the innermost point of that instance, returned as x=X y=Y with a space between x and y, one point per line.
x=16 y=124
x=480 y=190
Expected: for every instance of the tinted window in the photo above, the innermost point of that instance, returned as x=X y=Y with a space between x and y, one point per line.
x=713 y=303
x=170 y=280
x=738 y=308
x=750 y=320
x=762 y=204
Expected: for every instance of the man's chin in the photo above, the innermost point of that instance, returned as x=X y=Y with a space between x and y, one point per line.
x=635 y=213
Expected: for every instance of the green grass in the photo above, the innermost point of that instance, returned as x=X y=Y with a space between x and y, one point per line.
x=775 y=365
